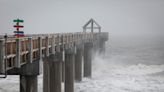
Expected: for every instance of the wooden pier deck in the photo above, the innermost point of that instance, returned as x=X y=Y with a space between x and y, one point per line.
x=41 y=46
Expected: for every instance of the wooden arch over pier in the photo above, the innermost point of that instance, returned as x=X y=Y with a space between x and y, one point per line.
x=91 y=24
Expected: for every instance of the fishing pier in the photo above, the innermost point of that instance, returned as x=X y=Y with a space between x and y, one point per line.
x=61 y=57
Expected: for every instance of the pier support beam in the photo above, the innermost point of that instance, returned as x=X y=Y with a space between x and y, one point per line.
x=69 y=70
x=102 y=46
x=78 y=64
x=46 y=79
x=28 y=76
x=55 y=73
x=52 y=73
x=2 y=54
x=63 y=63
x=28 y=83
x=96 y=46
x=63 y=71
x=88 y=59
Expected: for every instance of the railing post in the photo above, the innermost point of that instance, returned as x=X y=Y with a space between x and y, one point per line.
x=40 y=54
x=53 y=45
x=18 y=52
x=2 y=54
x=47 y=46
x=58 y=43
x=30 y=49
x=40 y=47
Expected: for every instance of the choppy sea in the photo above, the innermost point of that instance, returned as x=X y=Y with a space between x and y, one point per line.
x=123 y=68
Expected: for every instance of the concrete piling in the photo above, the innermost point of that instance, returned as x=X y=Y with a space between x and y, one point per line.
x=52 y=73
x=55 y=73
x=63 y=71
x=28 y=83
x=46 y=75
x=102 y=46
x=63 y=64
x=78 y=64
x=88 y=59
x=96 y=46
x=69 y=70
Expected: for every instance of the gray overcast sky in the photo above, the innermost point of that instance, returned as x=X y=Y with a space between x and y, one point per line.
x=119 y=17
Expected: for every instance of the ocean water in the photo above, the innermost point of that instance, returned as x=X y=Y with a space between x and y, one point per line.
x=125 y=67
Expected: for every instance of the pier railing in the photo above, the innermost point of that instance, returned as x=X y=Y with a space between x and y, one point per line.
x=16 y=52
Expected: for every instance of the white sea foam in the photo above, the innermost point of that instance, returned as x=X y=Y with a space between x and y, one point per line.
x=108 y=77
